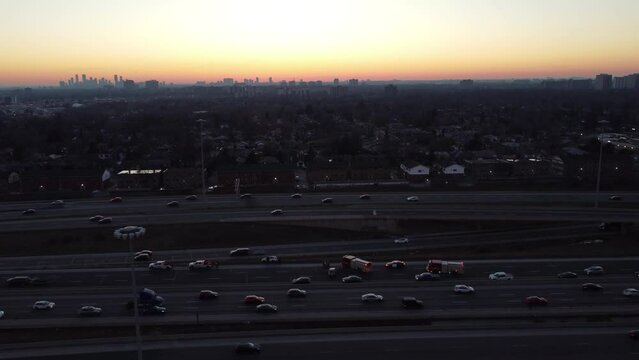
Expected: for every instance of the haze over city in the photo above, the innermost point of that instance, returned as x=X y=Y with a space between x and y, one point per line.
x=187 y=41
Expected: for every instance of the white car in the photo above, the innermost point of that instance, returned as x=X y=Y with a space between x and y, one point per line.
x=401 y=241
x=271 y=259
x=160 y=265
x=277 y=212
x=296 y=196
x=632 y=292
x=463 y=289
x=200 y=265
x=412 y=198
x=372 y=298
x=43 y=305
x=89 y=311
x=1 y=314
x=594 y=270
x=500 y=275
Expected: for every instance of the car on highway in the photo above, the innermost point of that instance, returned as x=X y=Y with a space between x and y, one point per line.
x=56 y=204
x=591 y=287
x=567 y=275
x=266 y=308
x=630 y=292
x=463 y=289
x=594 y=270
x=153 y=310
x=352 y=279
x=248 y=348
x=296 y=293
x=634 y=334
x=160 y=265
x=615 y=197
x=370 y=297
x=36 y=281
x=96 y=218
x=412 y=198
x=116 y=200
x=395 y=264
x=29 y=212
x=253 y=300
x=89 y=311
x=246 y=196
x=142 y=257
x=191 y=197
x=301 y=280
x=296 y=196
x=427 y=276
x=105 y=220
x=201 y=264
x=240 y=252
x=208 y=295
x=364 y=197
x=327 y=200
x=1 y=314
x=500 y=275
x=535 y=301
x=409 y=302
x=43 y=305
x=277 y=212
x=403 y=240
x=173 y=204
x=271 y=259
x=19 y=281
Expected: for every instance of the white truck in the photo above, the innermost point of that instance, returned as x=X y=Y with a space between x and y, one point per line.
x=355 y=263
x=445 y=267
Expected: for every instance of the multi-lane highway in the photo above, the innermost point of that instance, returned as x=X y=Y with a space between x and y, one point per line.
x=500 y=206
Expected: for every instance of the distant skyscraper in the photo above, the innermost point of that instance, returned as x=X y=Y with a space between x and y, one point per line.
x=257 y=80
x=270 y=80
x=152 y=84
x=336 y=81
x=228 y=81
x=77 y=80
x=84 y=78
x=628 y=82
x=353 y=82
x=603 y=82
x=121 y=78
x=115 y=80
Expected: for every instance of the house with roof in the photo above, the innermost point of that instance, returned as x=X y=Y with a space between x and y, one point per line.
x=415 y=172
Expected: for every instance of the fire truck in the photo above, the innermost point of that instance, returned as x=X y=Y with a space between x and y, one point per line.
x=445 y=267
x=355 y=263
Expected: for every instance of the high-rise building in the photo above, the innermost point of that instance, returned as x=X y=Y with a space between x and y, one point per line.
x=228 y=81
x=77 y=80
x=628 y=82
x=603 y=82
x=121 y=78
x=336 y=81
x=270 y=80
x=257 y=80
x=84 y=78
x=152 y=84
x=353 y=82
x=115 y=80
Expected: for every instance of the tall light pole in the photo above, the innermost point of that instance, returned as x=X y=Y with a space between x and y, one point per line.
x=599 y=171
x=202 y=121
x=129 y=233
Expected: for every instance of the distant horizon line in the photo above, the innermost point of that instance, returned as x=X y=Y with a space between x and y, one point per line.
x=240 y=81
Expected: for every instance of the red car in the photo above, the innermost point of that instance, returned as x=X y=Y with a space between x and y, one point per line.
x=535 y=301
x=253 y=300
x=116 y=199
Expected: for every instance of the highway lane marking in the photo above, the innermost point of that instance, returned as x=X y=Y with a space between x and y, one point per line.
x=214 y=278
x=558 y=293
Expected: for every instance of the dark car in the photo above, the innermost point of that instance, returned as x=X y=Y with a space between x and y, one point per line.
x=567 y=275
x=19 y=281
x=248 y=348
x=240 y=252
x=142 y=257
x=395 y=264
x=173 y=204
x=116 y=199
x=302 y=280
x=296 y=196
x=591 y=287
x=96 y=218
x=253 y=300
x=153 y=310
x=246 y=196
x=208 y=295
x=615 y=197
x=57 y=204
x=36 y=281
x=364 y=197
x=427 y=276
x=29 y=212
x=327 y=201
x=535 y=301
x=89 y=311
x=296 y=293
x=352 y=279
x=410 y=302
x=266 y=308
x=191 y=198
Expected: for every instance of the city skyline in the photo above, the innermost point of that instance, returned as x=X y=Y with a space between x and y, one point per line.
x=186 y=42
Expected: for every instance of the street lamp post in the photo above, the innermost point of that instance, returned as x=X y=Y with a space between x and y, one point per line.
x=129 y=233
x=202 y=121
x=599 y=171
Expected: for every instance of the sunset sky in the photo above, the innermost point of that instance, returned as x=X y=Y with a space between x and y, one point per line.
x=44 y=41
